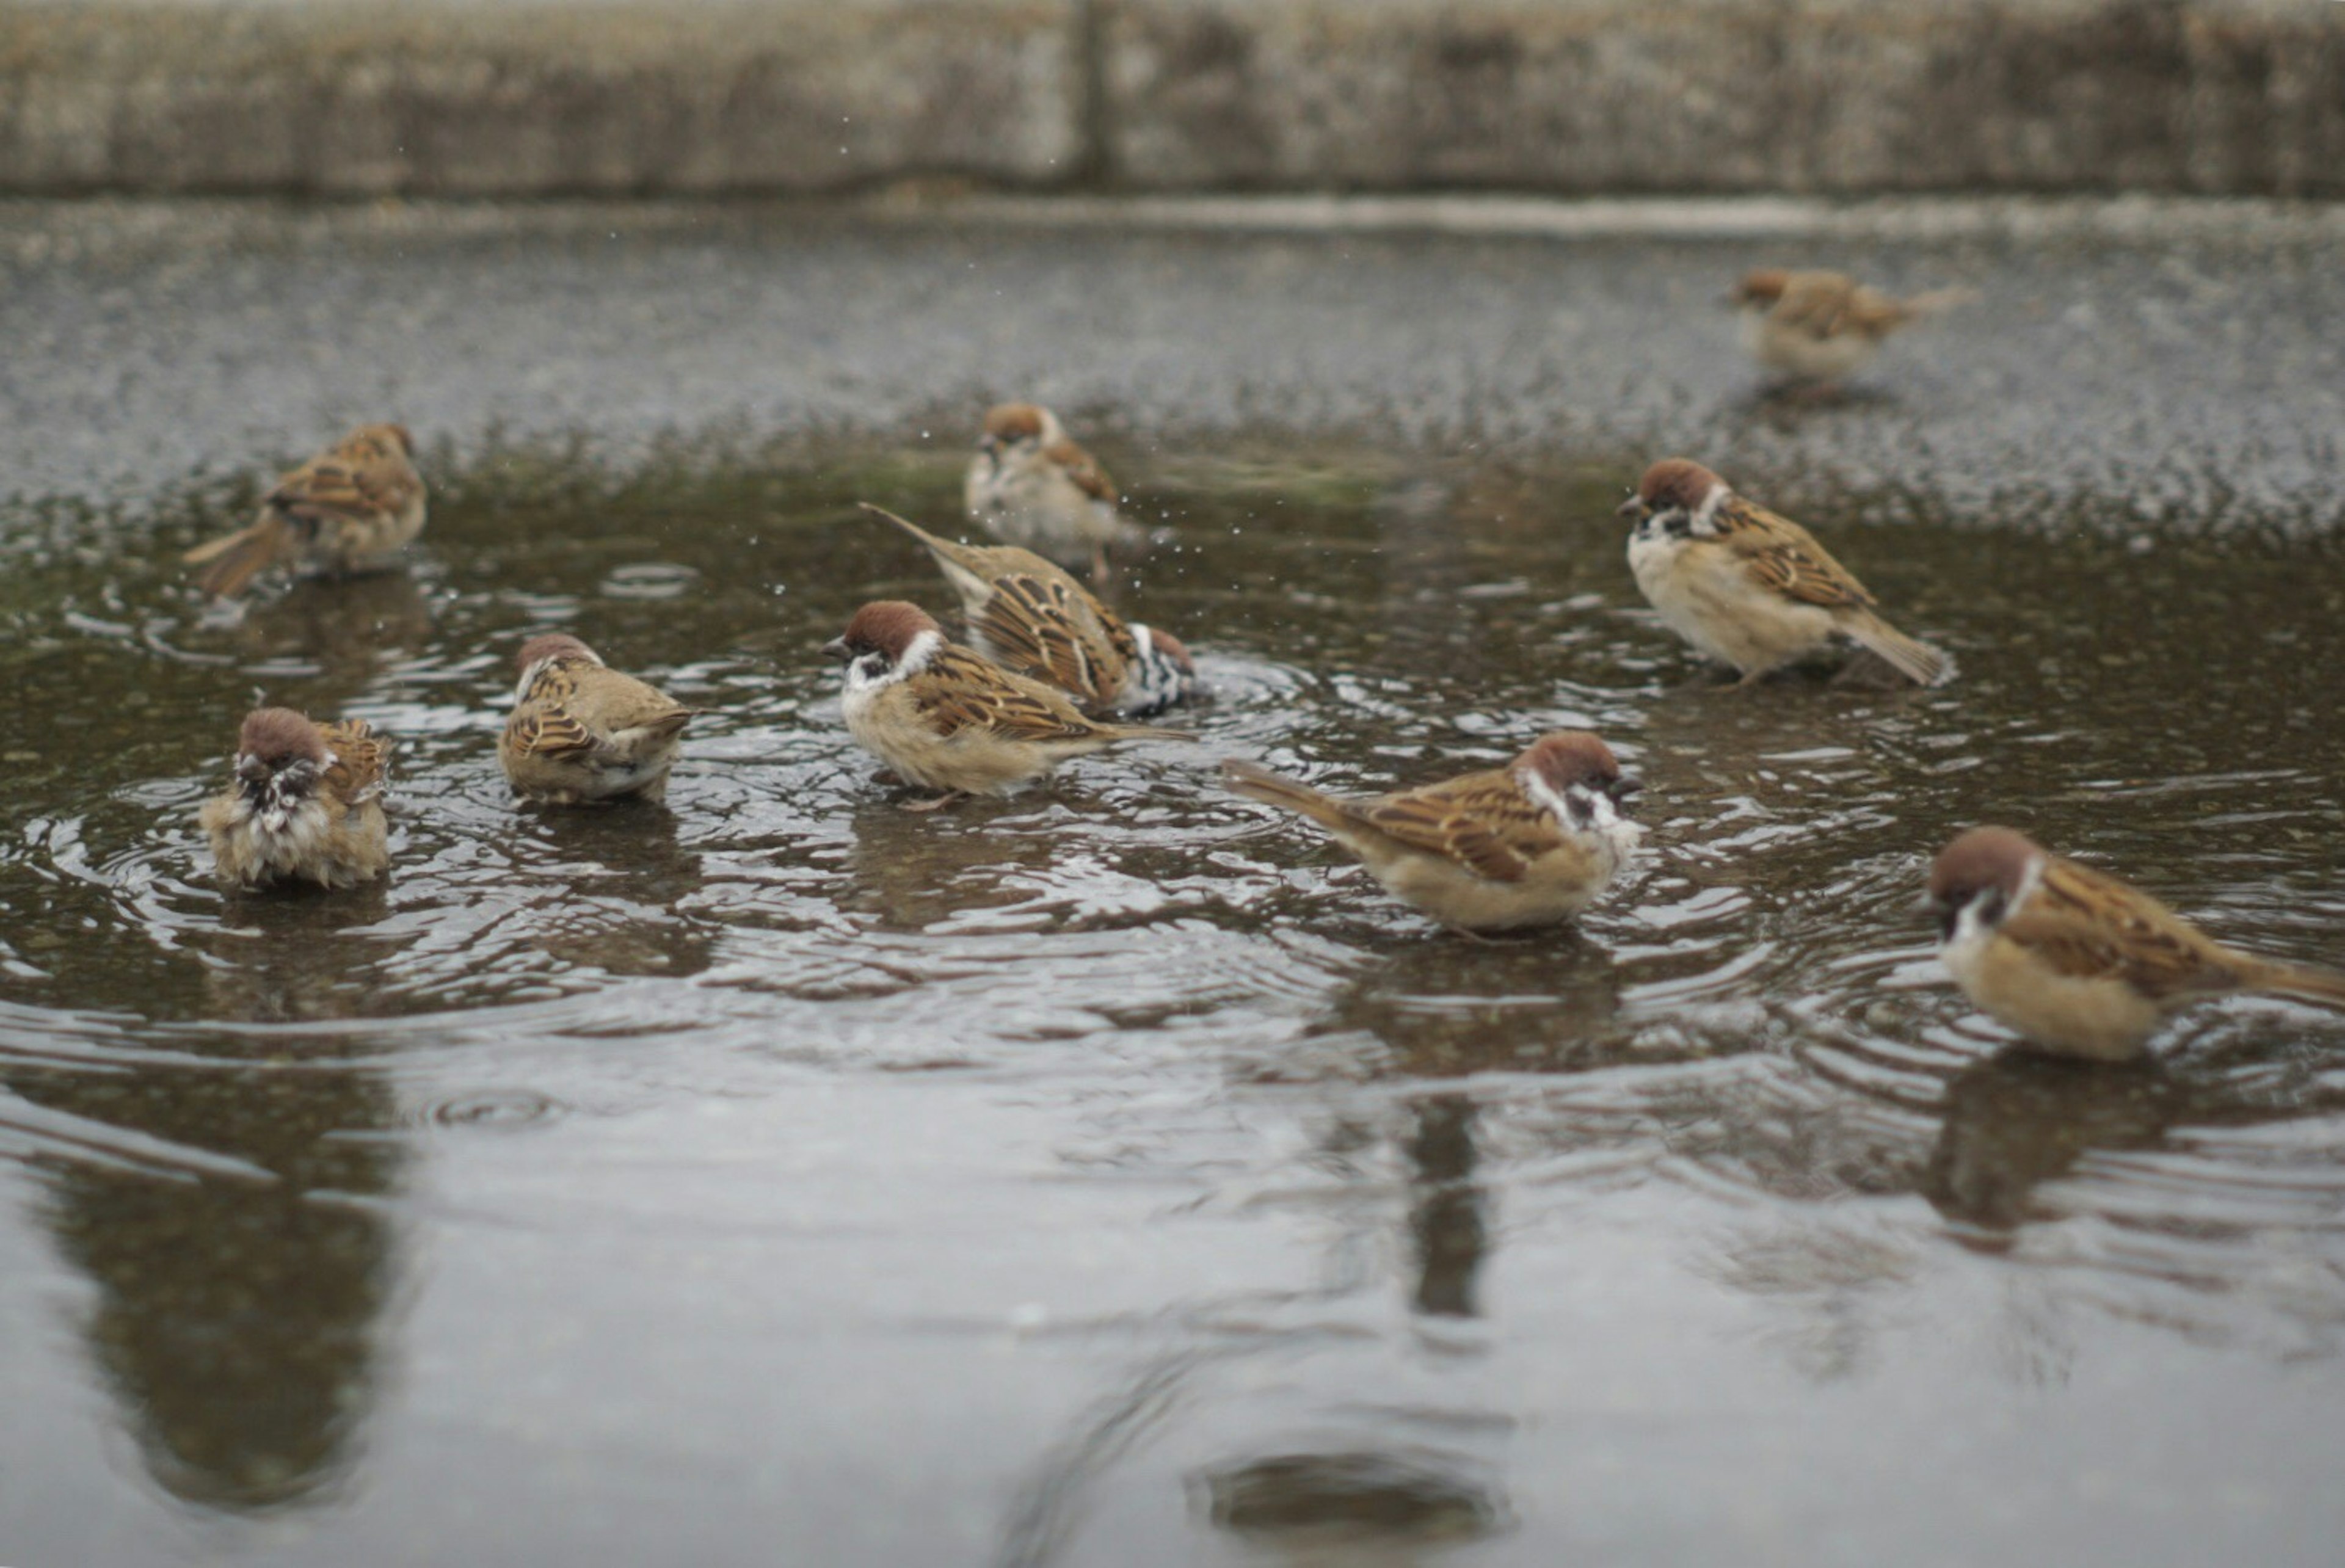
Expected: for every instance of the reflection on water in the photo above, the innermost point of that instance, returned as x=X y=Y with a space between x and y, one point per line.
x=1744 y=1062
x=239 y=1306
x=1367 y=1508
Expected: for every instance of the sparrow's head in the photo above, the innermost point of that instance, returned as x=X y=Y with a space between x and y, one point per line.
x=1677 y=497
x=1578 y=776
x=1166 y=672
x=886 y=636
x=1021 y=427
x=553 y=645
x=279 y=758
x=378 y=441
x=541 y=653
x=1981 y=878
x=1761 y=289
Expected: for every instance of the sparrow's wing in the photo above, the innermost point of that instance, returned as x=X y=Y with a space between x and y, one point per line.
x=1081 y=467
x=1038 y=626
x=616 y=704
x=2092 y=926
x=957 y=689
x=548 y=729
x=334 y=486
x=361 y=758
x=1827 y=305
x=1781 y=555
x=1482 y=821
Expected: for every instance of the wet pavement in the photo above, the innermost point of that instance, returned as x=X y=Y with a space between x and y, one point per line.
x=1113 y=1175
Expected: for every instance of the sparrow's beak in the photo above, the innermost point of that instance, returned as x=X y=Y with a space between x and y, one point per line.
x=1625 y=789
x=989 y=443
x=837 y=651
x=1634 y=507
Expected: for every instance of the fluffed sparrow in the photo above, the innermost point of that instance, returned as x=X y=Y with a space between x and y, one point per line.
x=1030 y=486
x=1747 y=587
x=1030 y=617
x=2076 y=961
x=304 y=805
x=582 y=733
x=1819 y=327
x=944 y=717
x=348 y=510
x=1531 y=844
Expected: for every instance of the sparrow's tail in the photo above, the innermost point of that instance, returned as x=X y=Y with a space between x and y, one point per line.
x=232 y=562
x=2303 y=981
x=1144 y=732
x=1936 y=302
x=1260 y=784
x=1917 y=661
x=907 y=524
x=974 y=590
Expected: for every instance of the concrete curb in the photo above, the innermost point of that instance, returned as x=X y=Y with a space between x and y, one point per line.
x=627 y=97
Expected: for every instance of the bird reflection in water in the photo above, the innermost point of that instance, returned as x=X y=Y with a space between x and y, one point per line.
x=1356 y=1508
x=349 y=630
x=2017 y=1120
x=239 y=1298
x=612 y=879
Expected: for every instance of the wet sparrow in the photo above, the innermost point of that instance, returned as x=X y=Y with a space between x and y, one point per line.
x=348 y=510
x=1030 y=617
x=1531 y=844
x=1819 y=327
x=304 y=806
x=1747 y=587
x=582 y=733
x=2075 y=960
x=1030 y=486
x=944 y=717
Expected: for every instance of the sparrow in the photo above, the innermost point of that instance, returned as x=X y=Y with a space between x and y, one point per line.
x=1747 y=587
x=2079 y=963
x=1030 y=486
x=348 y=510
x=944 y=717
x=1819 y=327
x=1030 y=617
x=304 y=804
x=582 y=733
x=1531 y=844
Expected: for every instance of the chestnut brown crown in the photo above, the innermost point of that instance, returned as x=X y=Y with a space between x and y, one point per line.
x=555 y=645
x=1763 y=286
x=1173 y=650
x=1014 y=422
x=886 y=627
x=1569 y=757
x=1676 y=482
x=277 y=738
x=1981 y=860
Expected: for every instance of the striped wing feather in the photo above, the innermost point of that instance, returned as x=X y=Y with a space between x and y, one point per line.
x=959 y=689
x=2091 y=926
x=1481 y=821
x=1781 y=555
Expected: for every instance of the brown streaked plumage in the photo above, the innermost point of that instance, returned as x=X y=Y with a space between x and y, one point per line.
x=1819 y=327
x=944 y=717
x=303 y=804
x=349 y=508
x=1531 y=844
x=1032 y=487
x=582 y=733
x=1030 y=617
x=1747 y=587
x=2078 y=962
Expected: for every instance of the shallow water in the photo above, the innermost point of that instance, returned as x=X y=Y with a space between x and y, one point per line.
x=1113 y=1174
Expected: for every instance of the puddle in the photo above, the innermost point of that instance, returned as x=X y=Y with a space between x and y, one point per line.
x=1112 y=1173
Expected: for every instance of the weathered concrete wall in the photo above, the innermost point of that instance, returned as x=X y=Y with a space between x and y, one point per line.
x=626 y=96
